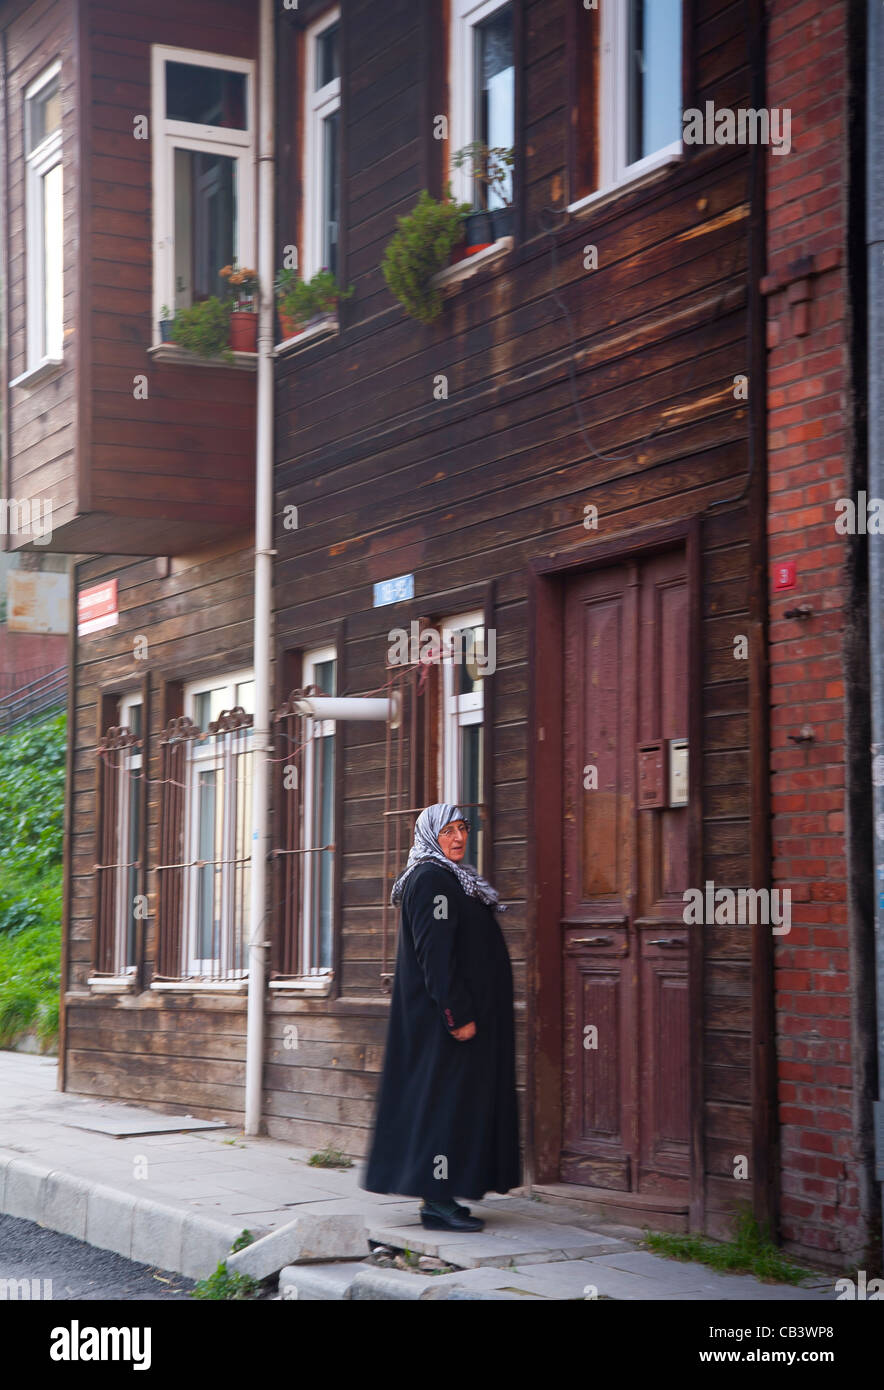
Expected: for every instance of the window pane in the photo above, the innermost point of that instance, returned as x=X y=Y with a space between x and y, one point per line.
x=245 y=696
x=131 y=857
x=209 y=810
x=655 y=98
x=471 y=785
x=330 y=187
x=324 y=676
x=132 y=720
x=327 y=56
x=53 y=261
x=44 y=114
x=324 y=832
x=495 y=94
x=466 y=648
x=205 y=223
x=206 y=96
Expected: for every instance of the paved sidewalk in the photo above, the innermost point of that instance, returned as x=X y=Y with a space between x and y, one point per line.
x=178 y=1200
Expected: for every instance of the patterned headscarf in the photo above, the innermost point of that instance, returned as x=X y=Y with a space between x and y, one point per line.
x=426 y=849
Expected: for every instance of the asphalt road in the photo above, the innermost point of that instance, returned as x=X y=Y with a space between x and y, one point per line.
x=79 y=1271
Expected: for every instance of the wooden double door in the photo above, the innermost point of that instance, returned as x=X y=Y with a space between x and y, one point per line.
x=626 y=1089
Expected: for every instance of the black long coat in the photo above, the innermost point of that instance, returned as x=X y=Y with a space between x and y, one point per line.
x=446 y=1123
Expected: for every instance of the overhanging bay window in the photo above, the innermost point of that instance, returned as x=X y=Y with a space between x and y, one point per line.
x=629 y=91
x=203 y=173
x=482 y=93
x=44 y=213
x=321 y=165
x=205 y=822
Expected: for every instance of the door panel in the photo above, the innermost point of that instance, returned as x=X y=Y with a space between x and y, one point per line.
x=626 y=1103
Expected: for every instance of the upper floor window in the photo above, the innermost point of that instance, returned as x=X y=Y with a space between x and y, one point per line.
x=203 y=173
x=482 y=94
x=641 y=105
x=45 y=218
x=322 y=146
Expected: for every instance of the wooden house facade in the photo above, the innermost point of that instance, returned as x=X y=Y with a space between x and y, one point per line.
x=536 y=528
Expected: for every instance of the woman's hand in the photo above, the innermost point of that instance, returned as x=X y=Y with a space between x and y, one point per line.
x=465 y=1033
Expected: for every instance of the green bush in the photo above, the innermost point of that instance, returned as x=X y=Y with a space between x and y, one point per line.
x=204 y=328
x=306 y=299
x=32 y=770
x=421 y=248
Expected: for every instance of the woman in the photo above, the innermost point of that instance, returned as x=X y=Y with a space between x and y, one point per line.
x=446 y=1120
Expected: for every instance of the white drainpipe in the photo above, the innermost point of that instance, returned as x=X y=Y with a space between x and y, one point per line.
x=258 y=925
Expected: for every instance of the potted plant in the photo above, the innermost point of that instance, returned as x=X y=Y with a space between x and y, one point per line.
x=491 y=166
x=243 y=316
x=419 y=249
x=204 y=328
x=301 y=302
x=167 y=319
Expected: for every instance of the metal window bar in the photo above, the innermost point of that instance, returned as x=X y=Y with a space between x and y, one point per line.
x=297 y=943
x=205 y=801
x=112 y=873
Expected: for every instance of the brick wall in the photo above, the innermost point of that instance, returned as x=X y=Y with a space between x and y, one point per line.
x=810 y=449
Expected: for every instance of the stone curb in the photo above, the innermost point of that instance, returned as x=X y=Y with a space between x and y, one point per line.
x=310 y=1237
x=138 y=1228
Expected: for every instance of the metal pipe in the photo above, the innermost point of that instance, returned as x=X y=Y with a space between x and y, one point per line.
x=351 y=707
x=875 y=270
x=263 y=575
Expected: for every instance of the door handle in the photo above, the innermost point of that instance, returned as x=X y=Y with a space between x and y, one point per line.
x=590 y=941
x=667 y=941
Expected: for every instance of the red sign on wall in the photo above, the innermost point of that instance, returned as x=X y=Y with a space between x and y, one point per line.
x=97 y=608
x=784 y=575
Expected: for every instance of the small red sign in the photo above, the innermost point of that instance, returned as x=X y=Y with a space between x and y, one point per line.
x=784 y=575
x=97 y=608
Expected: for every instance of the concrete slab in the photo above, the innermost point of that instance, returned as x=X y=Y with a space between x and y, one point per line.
x=311 y=1283
x=317 y=1237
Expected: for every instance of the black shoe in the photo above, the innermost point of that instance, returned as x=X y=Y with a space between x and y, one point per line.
x=435 y=1217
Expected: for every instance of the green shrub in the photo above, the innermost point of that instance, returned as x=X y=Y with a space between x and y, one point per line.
x=204 y=328
x=32 y=771
x=421 y=248
x=306 y=299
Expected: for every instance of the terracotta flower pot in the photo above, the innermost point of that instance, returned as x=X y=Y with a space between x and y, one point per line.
x=288 y=325
x=244 y=330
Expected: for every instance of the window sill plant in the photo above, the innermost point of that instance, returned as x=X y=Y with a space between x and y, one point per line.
x=421 y=247
x=491 y=167
x=204 y=328
x=167 y=319
x=243 y=313
x=300 y=303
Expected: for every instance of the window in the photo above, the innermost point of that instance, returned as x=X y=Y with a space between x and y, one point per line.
x=119 y=857
x=322 y=147
x=482 y=92
x=641 y=106
x=462 y=734
x=318 y=821
x=45 y=219
x=217 y=823
x=203 y=173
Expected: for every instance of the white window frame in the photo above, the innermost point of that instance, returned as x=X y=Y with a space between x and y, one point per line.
x=203 y=755
x=465 y=15
x=314 y=728
x=167 y=136
x=318 y=106
x=131 y=763
x=45 y=344
x=614 y=104
x=458 y=711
